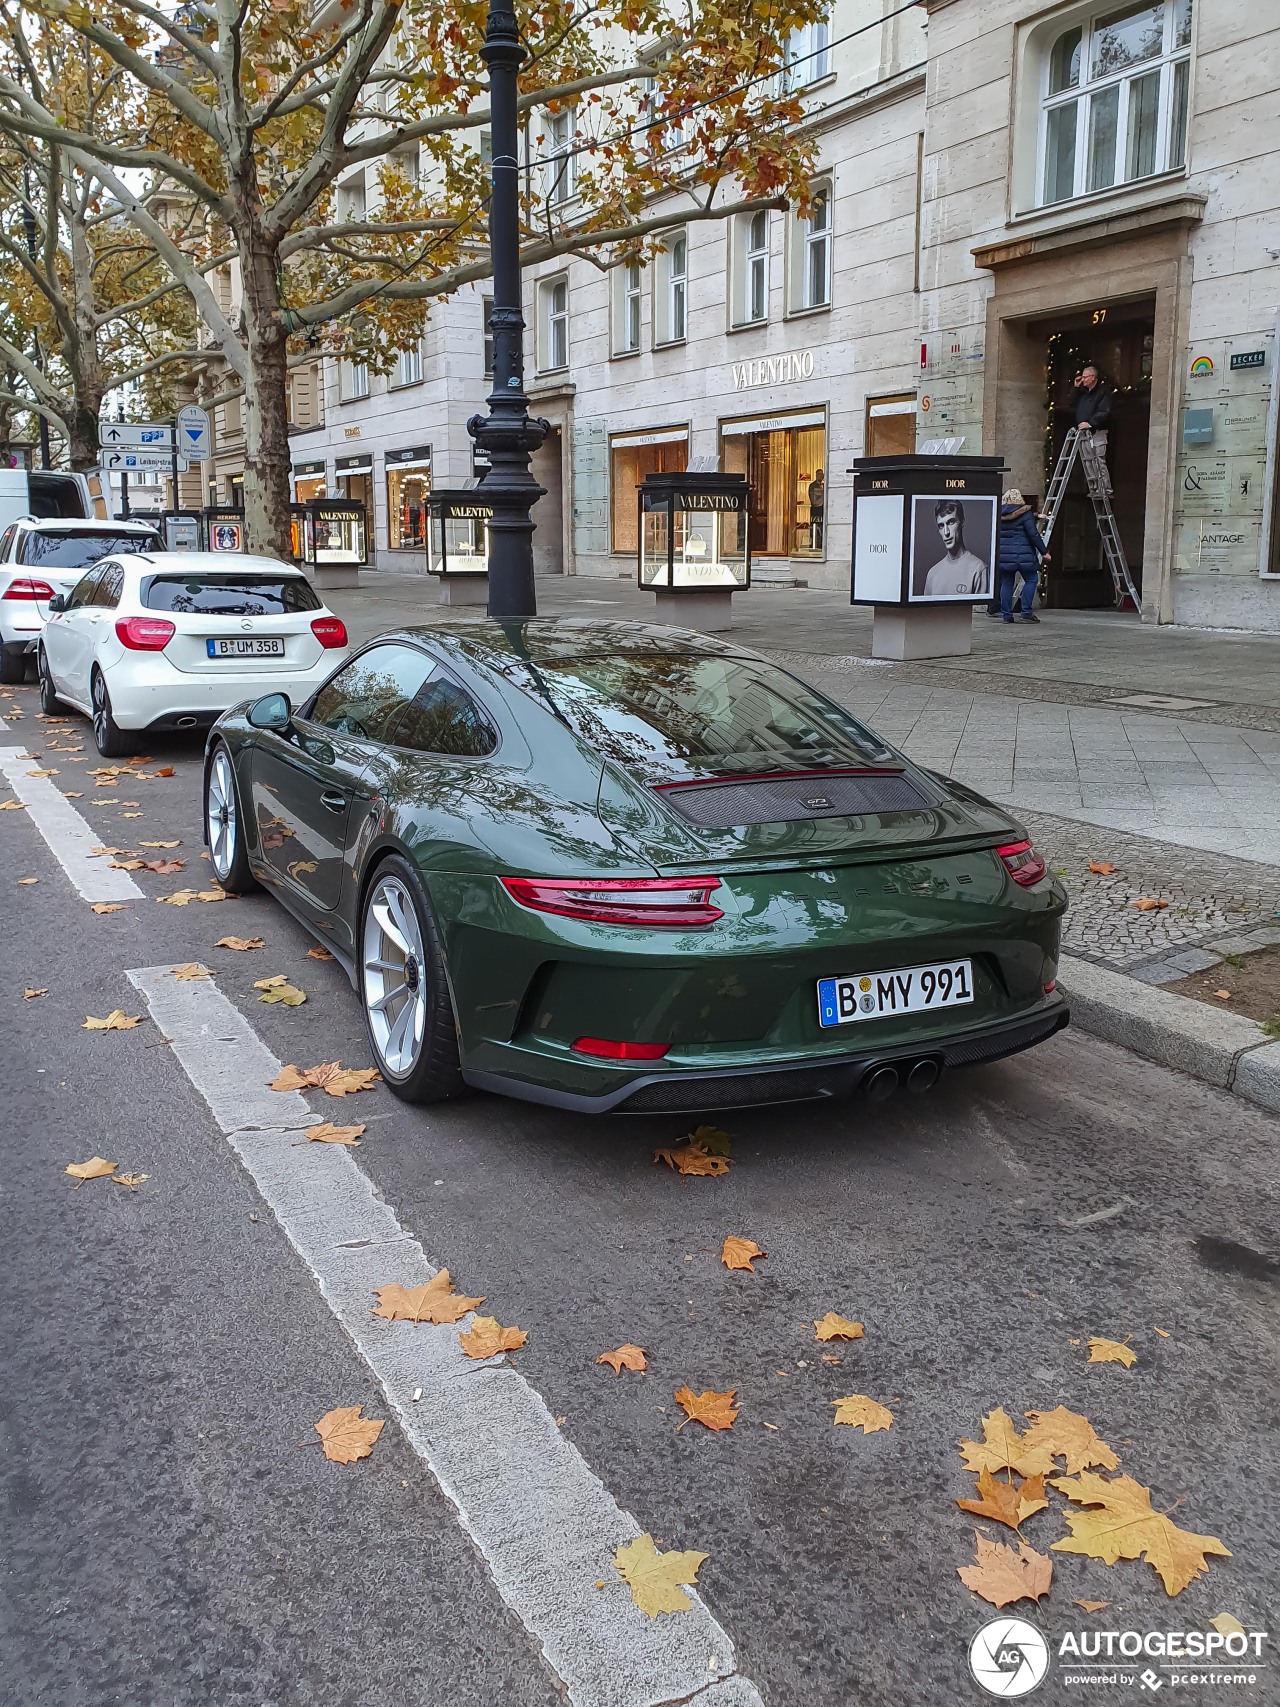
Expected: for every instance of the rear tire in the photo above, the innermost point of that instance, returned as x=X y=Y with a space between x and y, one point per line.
x=13 y=666
x=111 y=740
x=224 y=824
x=50 y=704
x=408 y=1010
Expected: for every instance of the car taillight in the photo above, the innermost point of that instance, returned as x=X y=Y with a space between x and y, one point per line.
x=611 y=1051
x=1022 y=862
x=670 y=902
x=329 y=630
x=144 y=633
x=28 y=589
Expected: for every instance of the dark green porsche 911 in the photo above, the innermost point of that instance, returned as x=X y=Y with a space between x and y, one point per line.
x=610 y=866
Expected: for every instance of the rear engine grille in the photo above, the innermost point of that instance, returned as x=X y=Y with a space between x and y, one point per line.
x=741 y=1090
x=777 y=800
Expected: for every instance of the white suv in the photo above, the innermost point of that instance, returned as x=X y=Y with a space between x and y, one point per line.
x=172 y=639
x=39 y=558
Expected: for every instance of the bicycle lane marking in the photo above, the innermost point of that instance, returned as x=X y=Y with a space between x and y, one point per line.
x=544 y=1522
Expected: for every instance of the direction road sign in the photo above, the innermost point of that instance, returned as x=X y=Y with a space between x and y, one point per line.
x=135 y=461
x=153 y=435
x=193 y=433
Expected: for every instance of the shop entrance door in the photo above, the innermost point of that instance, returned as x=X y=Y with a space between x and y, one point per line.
x=547 y=467
x=1119 y=339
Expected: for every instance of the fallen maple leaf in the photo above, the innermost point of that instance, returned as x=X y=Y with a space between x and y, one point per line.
x=131 y=814
x=13 y=805
x=346 y=1435
x=712 y=1410
x=625 y=1357
x=863 y=1413
x=833 y=1327
x=1100 y=867
x=1120 y=1524
x=1092 y=1605
x=30 y=994
x=740 y=1253
x=212 y=895
x=279 y=989
x=25 y=881
x=106 y=850
x=1002 y=1576
x=654 y=1577
x=1068 y=1435
x=72 y=794
x=690 y=1159
x=1228 y=1625
x=1163 y=1332
x=1003 y=1448
x=487 y=1337
x=179 y=898
x=1010 y=1502
x=241 y=944
x=438 y=1301
x=1148 y=904
x=1223 y=995
x=329 y=1076
x=165 y=770
x=97 y=1167
x=328 y=1133
x=42 y=773
x=108 y=907
x=1111 y=1351
x=318 y=953
x=164 y=867
x=191 y=973
x=131 y=1181
x=126 y=864
x=709 y=1139
x=175 y=843
x=116 y=1020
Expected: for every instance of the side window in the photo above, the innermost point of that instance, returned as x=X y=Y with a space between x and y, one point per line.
x=83 y=592
x=368 y=694
x=6 y=543
x=110 y=587
x=443 y=718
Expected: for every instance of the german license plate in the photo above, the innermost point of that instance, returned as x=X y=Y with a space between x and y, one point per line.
x=911 y=990
x=239 y=648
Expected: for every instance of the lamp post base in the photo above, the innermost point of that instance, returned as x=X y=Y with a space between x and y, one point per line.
x=709 y=612
x=921 y=631
x=464 y=589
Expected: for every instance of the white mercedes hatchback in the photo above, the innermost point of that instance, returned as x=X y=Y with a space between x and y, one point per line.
x=172 y=639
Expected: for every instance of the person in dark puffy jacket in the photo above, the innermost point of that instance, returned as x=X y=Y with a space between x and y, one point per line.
x=1022 y=551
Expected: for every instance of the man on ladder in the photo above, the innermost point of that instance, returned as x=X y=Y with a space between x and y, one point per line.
x=1091 y=403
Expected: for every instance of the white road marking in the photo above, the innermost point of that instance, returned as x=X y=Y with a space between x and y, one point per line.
x=69 y=836
x=544 y=1522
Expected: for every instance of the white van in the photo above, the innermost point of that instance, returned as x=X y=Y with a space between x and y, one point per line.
x=50 y=495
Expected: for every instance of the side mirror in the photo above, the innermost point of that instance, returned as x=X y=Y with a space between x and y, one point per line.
x=272 y=711
x=57 y=602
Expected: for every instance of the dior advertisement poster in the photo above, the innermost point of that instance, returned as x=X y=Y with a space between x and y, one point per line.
x=952 y=547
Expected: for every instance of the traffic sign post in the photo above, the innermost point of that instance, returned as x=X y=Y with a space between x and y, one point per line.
x=144 y=435
x=192 y=433
x=135 y=461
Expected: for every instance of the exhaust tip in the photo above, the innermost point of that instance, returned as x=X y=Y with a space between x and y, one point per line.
x=923 y=1076
x=186 y=723
x=880 y=1084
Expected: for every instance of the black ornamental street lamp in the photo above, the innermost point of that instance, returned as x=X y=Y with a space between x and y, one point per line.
x=506 y=433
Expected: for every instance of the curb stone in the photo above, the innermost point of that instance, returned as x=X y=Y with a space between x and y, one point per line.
x=1221 y=1048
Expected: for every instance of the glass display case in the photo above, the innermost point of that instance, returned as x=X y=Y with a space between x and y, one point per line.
x=693 y=533
x=458 y=534
x=224 y=527
x=334 y=532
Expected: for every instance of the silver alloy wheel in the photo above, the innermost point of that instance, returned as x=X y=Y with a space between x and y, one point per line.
x=220 y=814
x=98 y=701
x=395 y=992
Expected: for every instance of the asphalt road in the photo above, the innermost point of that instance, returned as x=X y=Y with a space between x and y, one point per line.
x=169 y=1539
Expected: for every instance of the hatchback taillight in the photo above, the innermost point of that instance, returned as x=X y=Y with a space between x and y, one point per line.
x=1022 y=862
x=27 y=589
x=329 y=630
x=671 y=903
x=144 y=633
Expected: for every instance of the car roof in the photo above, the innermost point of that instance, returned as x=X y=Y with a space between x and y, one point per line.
x=205 y=563
x=557 y=639
x=85 y=524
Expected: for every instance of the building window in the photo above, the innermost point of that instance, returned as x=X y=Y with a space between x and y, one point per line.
x=351 y=201
x=487 y=317
x=671 y=293
x=353 y=381
x=631 y=457
x=408 y=484
x=553 y=328
x=1114 y=106
x=807 y=55
x=560 y=175
x=786 y=472
x=810 y=260
x=665 y=136
x=751 y=268
x=626 y=309
x=408 y=368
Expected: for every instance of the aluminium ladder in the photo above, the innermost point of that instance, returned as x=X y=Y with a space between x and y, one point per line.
x=1078 y=444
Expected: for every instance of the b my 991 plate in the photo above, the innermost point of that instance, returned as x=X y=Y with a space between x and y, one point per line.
x=910 y=990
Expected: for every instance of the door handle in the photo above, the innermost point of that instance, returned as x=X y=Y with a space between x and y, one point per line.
x=334 y=800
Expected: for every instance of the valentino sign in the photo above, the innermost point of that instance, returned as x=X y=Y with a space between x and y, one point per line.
x=773 y=370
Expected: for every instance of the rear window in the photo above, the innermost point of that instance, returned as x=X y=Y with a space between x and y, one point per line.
x=82 y=550
x=666 y=716
x=230 y=594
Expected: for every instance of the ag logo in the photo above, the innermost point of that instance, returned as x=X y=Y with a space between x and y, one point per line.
x=1008 y=1657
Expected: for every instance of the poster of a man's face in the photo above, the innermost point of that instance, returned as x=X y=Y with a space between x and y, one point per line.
x=952 y=548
